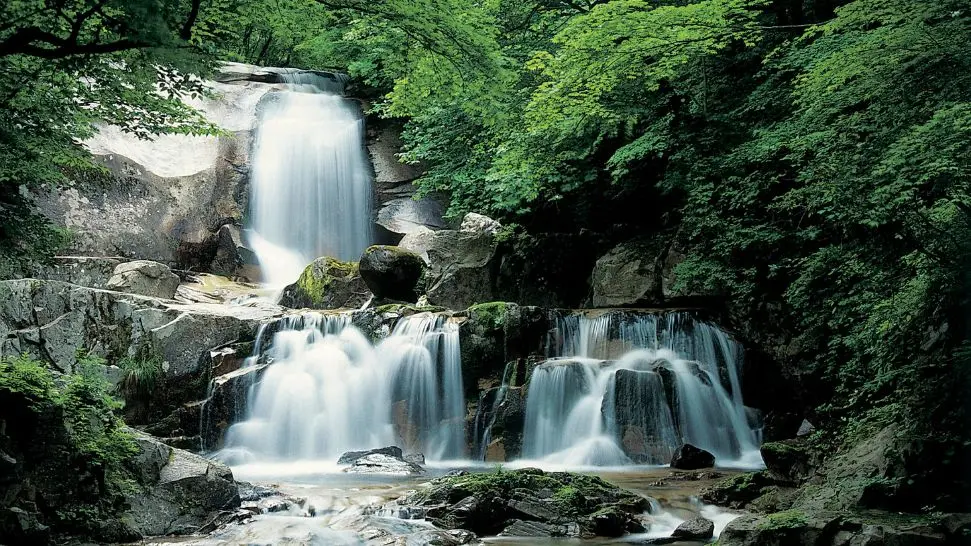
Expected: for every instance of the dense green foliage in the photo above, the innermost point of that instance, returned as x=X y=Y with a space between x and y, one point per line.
x=73 y=435
x=812 y=156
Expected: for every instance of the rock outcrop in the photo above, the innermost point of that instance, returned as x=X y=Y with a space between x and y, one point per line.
x=695 y=529
x=327 y=283
x=145 y=278
x=528 y=502
x=180 y=492
x=391 y=272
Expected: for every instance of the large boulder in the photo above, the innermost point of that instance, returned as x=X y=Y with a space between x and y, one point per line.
x=628 y=275
x=800 y=528
x=145 y=278
x=689 y=457
x=391 y=272
x=528 y=502
x=350 y=456
x=458 y=273
x=163 y=199
x=327 y=283
x=180 y=492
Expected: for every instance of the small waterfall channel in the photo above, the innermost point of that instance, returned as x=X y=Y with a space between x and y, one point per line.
x=311 y=180
x=327 y=390
x=627 y=388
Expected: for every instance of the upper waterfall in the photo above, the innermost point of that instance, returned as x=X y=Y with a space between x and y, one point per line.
x=311 y=177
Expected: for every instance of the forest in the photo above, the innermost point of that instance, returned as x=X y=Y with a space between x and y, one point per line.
x=811 y=159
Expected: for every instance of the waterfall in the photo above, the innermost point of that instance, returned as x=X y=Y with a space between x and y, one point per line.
x=311 y=178
x=328 y=390
x=627 y=388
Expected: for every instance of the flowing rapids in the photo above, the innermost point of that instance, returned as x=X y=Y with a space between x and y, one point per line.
x=622 y=389
x=328 y=391
x=311 y=178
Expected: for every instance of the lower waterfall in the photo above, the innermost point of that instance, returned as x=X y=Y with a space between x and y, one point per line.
x=328 y=390
x=628 y=388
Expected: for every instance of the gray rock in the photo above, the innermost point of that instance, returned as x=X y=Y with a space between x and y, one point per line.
x=415 y=458
x=233 y=258
x=520 y=528
x=51 y=320
x=805 y=429
x=145 y=278
x=689 y=457
x=226 y=404
x=180 y=491
x=458 y=273
x=406 y=215
x=697 y=528
x=89 y=271
x=629 y=274
x=351 y=456
x=478 y=223
x=377 y=463
x=391 y=272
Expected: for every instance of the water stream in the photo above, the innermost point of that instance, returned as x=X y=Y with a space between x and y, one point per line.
x=627 y=388
x=311 y=178
x=328 y=390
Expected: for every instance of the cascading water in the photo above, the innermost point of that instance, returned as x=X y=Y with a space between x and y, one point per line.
x=311 y=178
x=623 y=388
x=327 y=390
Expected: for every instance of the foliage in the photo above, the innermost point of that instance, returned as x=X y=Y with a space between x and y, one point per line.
x=143 y=373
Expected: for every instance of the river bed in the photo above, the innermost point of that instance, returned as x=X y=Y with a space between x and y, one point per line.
x=338 y=509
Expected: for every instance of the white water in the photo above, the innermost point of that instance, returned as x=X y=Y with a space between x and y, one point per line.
x=624 y=389
x=328 y=391
x=311 y=178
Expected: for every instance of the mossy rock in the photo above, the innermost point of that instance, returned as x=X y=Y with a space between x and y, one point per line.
x=327 y=283
x=491 y=502
x=739 y=490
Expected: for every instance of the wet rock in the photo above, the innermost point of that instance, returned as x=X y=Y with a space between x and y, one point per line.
x=689 y=457
x=377 y=463
x=391 y=272
x=836 y=529
x=695 y=529
x=327 y=283
x=529 y=501
x=739 y=490
x=415 y=458
x=233 y=258
x=226 y=404
x=351 y=456
x=145 y=278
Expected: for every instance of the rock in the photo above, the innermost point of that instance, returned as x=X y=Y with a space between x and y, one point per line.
x=377 y=463
x=415 y=458
x=180 y=491
x=689 y=457
x=93 y=272
x=641 y=408
x=145 y=278
x=695 y=529
x=226 y=404
x=739 y=490
x=391 y=272
x=327 y=283
x=405 y=215
x=457 y=275
x=478 y=223
x=805 y=429
x=233 y=259
x=351 y=456
x=800 y=528
x=529 y=502
x=787 y=460
x=163 y=199
x=628 y=275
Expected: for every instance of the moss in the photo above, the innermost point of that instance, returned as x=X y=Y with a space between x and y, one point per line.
x=790 y=519
x=780 y=450
x=491 y=314
x=317 y=278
